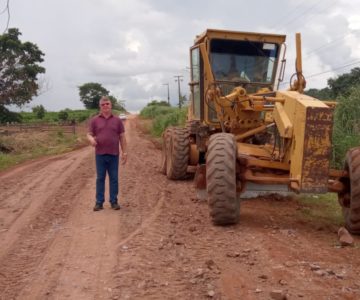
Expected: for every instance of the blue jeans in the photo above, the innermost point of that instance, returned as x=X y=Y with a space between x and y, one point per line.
x=110 y=164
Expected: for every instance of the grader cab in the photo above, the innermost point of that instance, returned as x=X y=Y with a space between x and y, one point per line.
x=243 y=131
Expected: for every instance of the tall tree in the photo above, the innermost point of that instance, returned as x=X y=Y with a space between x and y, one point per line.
x=90 y=94
x=19 y=68
x=342 y=84
x=39 y=111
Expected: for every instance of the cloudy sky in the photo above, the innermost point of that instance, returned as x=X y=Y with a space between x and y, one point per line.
x=133 y=47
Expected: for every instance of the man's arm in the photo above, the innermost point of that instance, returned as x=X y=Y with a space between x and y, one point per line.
x=123 y=145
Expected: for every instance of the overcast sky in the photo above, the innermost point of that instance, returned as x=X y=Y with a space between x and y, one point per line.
x=133 y=47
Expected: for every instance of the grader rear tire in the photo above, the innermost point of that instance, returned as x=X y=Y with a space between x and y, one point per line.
x=177 y=155
x=165 y=146
x=351 y=200
x=223 y=202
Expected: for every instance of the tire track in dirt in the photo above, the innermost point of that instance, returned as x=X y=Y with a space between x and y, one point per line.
x=29 y=186
x=27 y=240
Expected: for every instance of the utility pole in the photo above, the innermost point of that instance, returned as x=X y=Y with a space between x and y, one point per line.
x=168 y=92
x=178 y=79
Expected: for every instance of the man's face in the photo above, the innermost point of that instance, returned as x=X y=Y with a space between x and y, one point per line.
x=105 y=106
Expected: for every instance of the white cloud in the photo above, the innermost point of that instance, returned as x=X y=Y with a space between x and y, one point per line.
x=132 y=47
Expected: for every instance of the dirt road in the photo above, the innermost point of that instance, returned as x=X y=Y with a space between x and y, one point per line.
x=161 y=244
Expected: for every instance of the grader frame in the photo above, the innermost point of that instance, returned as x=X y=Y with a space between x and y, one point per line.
x=242 y=129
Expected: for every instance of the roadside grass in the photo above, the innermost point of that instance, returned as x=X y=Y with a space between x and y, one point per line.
x=53 y=117
x=145 y=127
x=321 y=209
x=162 y=117
x=30 y=145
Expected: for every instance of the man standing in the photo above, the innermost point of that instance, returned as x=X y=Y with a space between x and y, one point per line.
x=105 y=133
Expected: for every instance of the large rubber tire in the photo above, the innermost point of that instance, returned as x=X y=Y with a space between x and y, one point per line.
x=223 y=202
x=351 y=199
x=177 y=157
x=165 y=146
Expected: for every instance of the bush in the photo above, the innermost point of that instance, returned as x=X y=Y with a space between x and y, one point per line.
x=163 y=116
x=175 y=118
x=39 y=111
x=7 y=116
x=346 y=133
x=63 y=115
x=152 y=111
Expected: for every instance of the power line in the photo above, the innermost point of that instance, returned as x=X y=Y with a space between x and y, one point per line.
x=329 y=71
x=288 y=14
x=335 y=69
x=333 y=42
x=7 y=8
x=300 y=15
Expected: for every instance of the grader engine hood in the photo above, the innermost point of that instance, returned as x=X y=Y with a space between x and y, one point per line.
x=309 y=123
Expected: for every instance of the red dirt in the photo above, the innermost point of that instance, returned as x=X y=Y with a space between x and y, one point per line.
x=161 y=244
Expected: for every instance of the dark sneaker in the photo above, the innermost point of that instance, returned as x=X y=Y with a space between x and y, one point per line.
x=98 y=207
x=115 y=206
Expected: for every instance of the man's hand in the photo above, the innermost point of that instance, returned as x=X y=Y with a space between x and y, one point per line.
x=123 y=158
x=92 y=140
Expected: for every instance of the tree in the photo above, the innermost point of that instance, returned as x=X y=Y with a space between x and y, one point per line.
x=321 y=94
x=19 y=68
x=39 y=111
x=158 y=103
x=90 y=94
x=63 y=115
x=342 y=84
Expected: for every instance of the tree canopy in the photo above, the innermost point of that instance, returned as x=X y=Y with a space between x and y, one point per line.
x=39 y=111
x=90 y=94
x=339 y=86
x=19 y=68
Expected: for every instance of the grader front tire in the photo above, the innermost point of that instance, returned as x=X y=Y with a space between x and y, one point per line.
x=351 y=199
x=223 y=202
x=177 y=157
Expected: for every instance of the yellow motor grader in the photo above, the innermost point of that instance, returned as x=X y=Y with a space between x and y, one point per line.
x=242 y=130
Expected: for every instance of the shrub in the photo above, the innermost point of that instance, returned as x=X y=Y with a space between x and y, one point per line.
x=63 y=115
x=346 y=133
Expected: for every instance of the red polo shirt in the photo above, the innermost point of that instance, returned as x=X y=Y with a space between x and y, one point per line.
x=107 y=133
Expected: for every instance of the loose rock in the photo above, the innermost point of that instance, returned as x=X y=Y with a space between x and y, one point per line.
x=345 y=237
x=278 y=295
x=211 y=294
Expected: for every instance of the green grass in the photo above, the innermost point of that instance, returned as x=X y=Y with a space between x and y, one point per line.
x=320 y=209
x=163 y=117
x=34 y=145
x=52 y=117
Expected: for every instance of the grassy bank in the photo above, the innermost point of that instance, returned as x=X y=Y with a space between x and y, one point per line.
x=162 y=116
x=21 y=146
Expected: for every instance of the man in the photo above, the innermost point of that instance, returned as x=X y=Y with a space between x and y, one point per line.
x=105 y=133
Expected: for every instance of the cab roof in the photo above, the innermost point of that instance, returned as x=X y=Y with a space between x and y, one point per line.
x=239 y=35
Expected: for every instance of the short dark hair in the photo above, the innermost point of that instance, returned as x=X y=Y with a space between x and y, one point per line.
x=104 y=99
